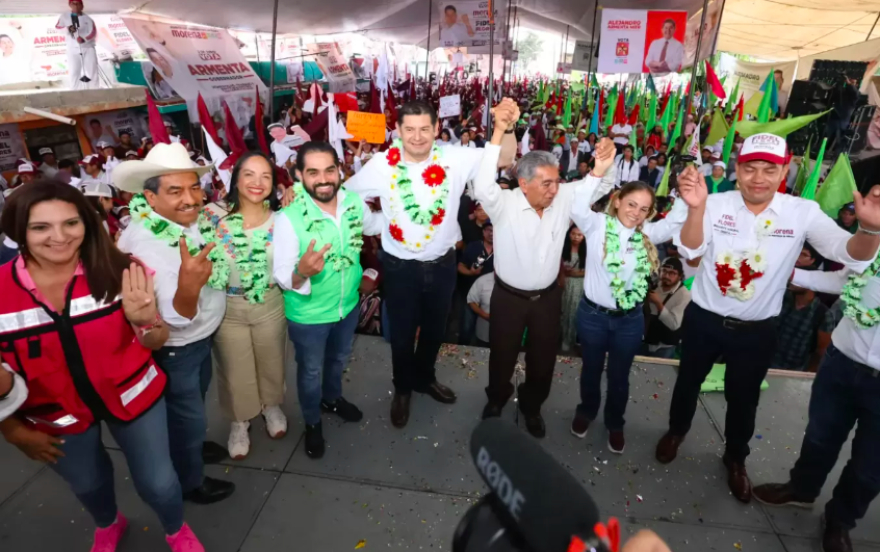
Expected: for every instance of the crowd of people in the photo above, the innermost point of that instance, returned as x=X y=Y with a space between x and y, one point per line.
x=129 y=275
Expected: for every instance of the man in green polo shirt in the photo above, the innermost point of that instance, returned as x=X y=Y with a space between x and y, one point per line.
x=318 y=240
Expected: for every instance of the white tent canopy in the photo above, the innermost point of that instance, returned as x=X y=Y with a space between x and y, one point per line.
x=403 y=21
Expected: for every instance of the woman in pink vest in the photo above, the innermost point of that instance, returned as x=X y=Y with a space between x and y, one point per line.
x=78 y=321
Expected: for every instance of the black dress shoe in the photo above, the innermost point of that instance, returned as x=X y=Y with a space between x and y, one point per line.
x=314 y=441
x=211 y=490
x=491 y=410
x=535 y=424
x=343 y=409
x=440 y=393
x=213 y=453
x=667 y=448
x=400 y=409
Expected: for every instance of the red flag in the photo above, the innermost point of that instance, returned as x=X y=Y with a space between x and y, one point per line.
x=259 y=127
x=666 y=96
x=600 y=106
x=346 y=101
x=205 y=120
x=233 y=133
x=741 y=106
x=389 y=103
x=713 y=82
x=620 y=111
x=157 y=125
x=634 y=116
x=412 y=90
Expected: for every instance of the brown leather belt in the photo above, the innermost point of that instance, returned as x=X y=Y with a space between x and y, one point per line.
x=531 y=295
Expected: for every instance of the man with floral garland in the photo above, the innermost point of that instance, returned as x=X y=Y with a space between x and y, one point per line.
x=845 y=393
x=754 y=235
x=420 y=186
x=190 y=293
x=318 y=240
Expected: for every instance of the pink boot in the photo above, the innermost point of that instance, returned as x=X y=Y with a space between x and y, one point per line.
x=184 y=541
x=108 y=538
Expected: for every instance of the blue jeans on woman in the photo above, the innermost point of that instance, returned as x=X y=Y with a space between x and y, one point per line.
x=618 y=336
x=321 y=347
x=87 y=468
x=844 y=393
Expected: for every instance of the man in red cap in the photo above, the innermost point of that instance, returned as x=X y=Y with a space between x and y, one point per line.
x=750 y=240
x=82 y=59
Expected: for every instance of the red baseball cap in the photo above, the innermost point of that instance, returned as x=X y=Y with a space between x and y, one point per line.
x=764 y=147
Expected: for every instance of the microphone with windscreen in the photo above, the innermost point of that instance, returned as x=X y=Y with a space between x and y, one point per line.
x=535 y=505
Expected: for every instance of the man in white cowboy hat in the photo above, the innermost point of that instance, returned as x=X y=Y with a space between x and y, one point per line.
x=162 y=232
x=49 y=165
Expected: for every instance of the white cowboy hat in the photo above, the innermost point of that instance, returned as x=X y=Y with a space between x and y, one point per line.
x=163 y=159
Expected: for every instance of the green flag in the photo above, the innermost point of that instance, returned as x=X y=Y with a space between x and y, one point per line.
x=650 y=84
x=801 y=178
x=652 y=114
x=838 y=188
x=732 y=99
x=813 y=181
x=728 y=141
x=663 y=188
x=566 y=112
x=764 y=108
x=779 y=127
x=678 y=124
x=590 y=101
x=666 y=118
x=634 y=142
x=594 y=82
x=718 y=129
x=752 y=104
x=611 y=105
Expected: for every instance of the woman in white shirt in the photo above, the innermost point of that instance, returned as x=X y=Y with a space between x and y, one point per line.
x=445 y=138
x=627 y=167
x=621 y=258
x=466 y=141
x=649 y=152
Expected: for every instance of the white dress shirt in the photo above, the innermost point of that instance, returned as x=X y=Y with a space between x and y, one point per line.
x=374 y=180
x=622 y=129
x=861 y=345
x=165 y=260
x=528 y=247
x=729 y=226
x=597 y=279
x=627 y=171
x=481 y=294
x=286 y=243
x=674 y=53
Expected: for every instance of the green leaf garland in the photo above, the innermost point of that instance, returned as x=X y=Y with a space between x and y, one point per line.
x=428 y=218
x=353 y=224
x=142 y=213
x=626 y=299
x=851 y=296
x=251 y=258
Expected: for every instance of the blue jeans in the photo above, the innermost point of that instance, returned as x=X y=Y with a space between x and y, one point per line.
x=843 y=393
x=321 y=347
x=87 y=468
x=189 y=373
x=618 y=336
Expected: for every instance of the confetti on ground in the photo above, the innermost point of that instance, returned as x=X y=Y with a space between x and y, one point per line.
x=656 y=396
x=639 y=497
x=361 y=543
x=420 y=438
x=738 y=546
x=759 y=436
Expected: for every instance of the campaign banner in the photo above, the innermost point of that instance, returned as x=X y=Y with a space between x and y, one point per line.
x=11 y=147
x=366 y=126
x=752 y=75
x=110 y=124
x=641 y=41
x=195 y=59
x=450 y=106
x=114 y=40
x=710 y=33
x=334 y=65
x=580 y=59
x=467 y=24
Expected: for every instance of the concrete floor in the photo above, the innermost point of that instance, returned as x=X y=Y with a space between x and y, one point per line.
x=407 y=489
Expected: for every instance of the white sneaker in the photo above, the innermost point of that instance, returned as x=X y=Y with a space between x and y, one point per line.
x=239 y=441
x=276 y=421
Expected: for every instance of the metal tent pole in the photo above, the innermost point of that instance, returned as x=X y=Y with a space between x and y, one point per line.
x=428 y=55
x=592 y=39
x=259 y=124
x=690 y=99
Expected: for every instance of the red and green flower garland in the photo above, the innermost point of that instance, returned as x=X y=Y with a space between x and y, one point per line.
x=403 y=201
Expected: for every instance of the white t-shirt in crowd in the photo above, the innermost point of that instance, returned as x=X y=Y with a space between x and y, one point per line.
x=622 y=129
x=481 y=294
